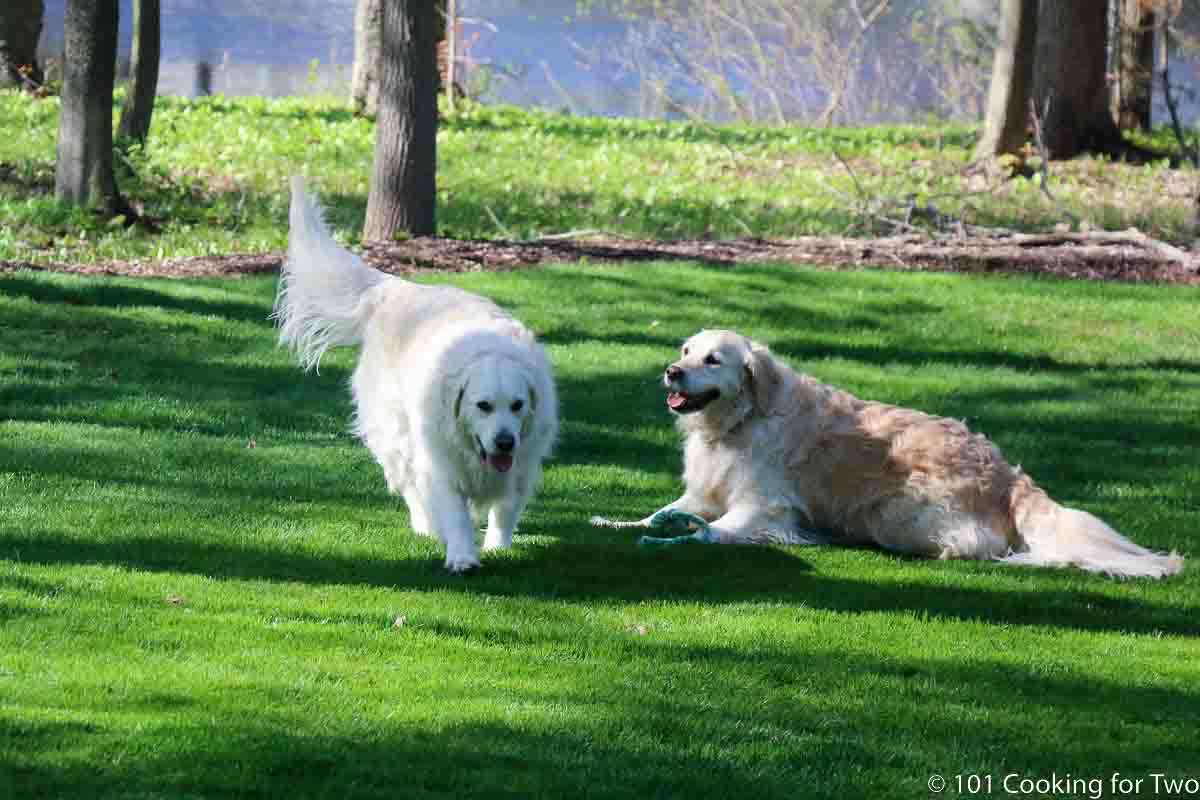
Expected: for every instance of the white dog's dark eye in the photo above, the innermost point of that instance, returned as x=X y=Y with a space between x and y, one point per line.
x=685 y=351
x=484 y=406
x=712 y=360
x=517 y=406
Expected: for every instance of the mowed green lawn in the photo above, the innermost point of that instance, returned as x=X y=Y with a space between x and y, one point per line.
x=205 y=590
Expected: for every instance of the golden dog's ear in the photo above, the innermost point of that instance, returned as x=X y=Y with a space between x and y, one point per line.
x=762 y=375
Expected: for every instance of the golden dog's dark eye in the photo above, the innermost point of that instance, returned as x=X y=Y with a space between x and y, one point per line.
x=517 y=406
x=484 y=406
x=712 y=360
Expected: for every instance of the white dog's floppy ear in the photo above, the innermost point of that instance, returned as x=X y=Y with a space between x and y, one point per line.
x=527 y=423
x=458 y=400
x=762 y=374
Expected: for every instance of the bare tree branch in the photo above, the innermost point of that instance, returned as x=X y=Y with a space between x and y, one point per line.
x=1189 y=151
x=1039 y=141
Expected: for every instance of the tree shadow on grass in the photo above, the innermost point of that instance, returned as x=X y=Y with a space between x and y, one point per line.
x=582 y=564
x=668 y=309
x=265 y=474
x=113 y=295
x=281 y=755
x=81 y=356
x=679 y=731
x=226 y=402
x=595 y=566
x=798 y=350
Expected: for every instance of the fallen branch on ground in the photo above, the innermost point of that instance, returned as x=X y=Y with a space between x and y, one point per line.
x=1129 y=256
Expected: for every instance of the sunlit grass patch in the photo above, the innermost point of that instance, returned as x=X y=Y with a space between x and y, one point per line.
x=205 y=589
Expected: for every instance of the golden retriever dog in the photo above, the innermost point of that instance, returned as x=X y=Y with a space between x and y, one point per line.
x=772 y=455
x=454 y=398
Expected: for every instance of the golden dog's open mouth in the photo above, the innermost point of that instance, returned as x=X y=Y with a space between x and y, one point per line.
x=684 y=403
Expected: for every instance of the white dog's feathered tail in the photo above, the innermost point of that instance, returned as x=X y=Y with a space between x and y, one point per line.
x=322 y=286
x=1057 y=536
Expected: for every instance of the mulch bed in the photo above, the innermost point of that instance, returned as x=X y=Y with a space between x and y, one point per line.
x=1117 y=257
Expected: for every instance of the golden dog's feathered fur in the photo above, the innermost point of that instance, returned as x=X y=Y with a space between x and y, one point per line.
x=772 y=455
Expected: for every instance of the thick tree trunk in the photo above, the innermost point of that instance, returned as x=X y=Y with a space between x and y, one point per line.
x=1070 y=88
x=368 y=42
x=403 y=187
x=84 y=173
x=143 y=84
x=1006 y=124
x=20 y=29
x=1132 y=89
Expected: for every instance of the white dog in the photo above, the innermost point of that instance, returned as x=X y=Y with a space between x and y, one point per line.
x=771 y=455
x=453 y=397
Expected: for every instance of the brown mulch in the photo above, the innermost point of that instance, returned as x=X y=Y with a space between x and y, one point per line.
x=1127 y=257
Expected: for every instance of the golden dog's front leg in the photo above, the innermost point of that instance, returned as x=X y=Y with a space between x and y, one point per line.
x=748 y=523
x=687 y=504
x=751 y=523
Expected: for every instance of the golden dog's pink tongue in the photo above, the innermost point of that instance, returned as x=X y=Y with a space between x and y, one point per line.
x=676 y=399
x=501 y=462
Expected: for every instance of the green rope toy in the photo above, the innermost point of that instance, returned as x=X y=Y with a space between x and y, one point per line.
x=681 y=527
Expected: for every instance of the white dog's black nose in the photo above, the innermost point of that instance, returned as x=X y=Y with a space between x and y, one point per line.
x=673 y=373
x=504 y=441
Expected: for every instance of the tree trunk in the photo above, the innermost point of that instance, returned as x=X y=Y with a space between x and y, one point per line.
x=449 y=43
x=143 y=85
x=1005 y=127
x=84 y=173
x=1133 y=70
x=403 y=187
x=1070 y=88
x=368 y=41
x=20 y=29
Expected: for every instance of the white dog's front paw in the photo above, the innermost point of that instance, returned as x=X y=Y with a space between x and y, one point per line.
x=497 y=540
x=462 y=562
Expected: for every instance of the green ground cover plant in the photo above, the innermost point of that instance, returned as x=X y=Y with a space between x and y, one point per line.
x=206 y=591
x=214 y=176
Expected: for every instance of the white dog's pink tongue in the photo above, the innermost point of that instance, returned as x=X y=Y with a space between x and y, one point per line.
x=676 y=399
x=501 y=462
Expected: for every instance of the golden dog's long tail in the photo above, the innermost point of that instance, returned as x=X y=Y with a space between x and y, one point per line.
x=322 y=299
x=1057 y=536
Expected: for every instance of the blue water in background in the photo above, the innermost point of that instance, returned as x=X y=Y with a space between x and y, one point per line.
x=284 y=47
x=269 y=48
